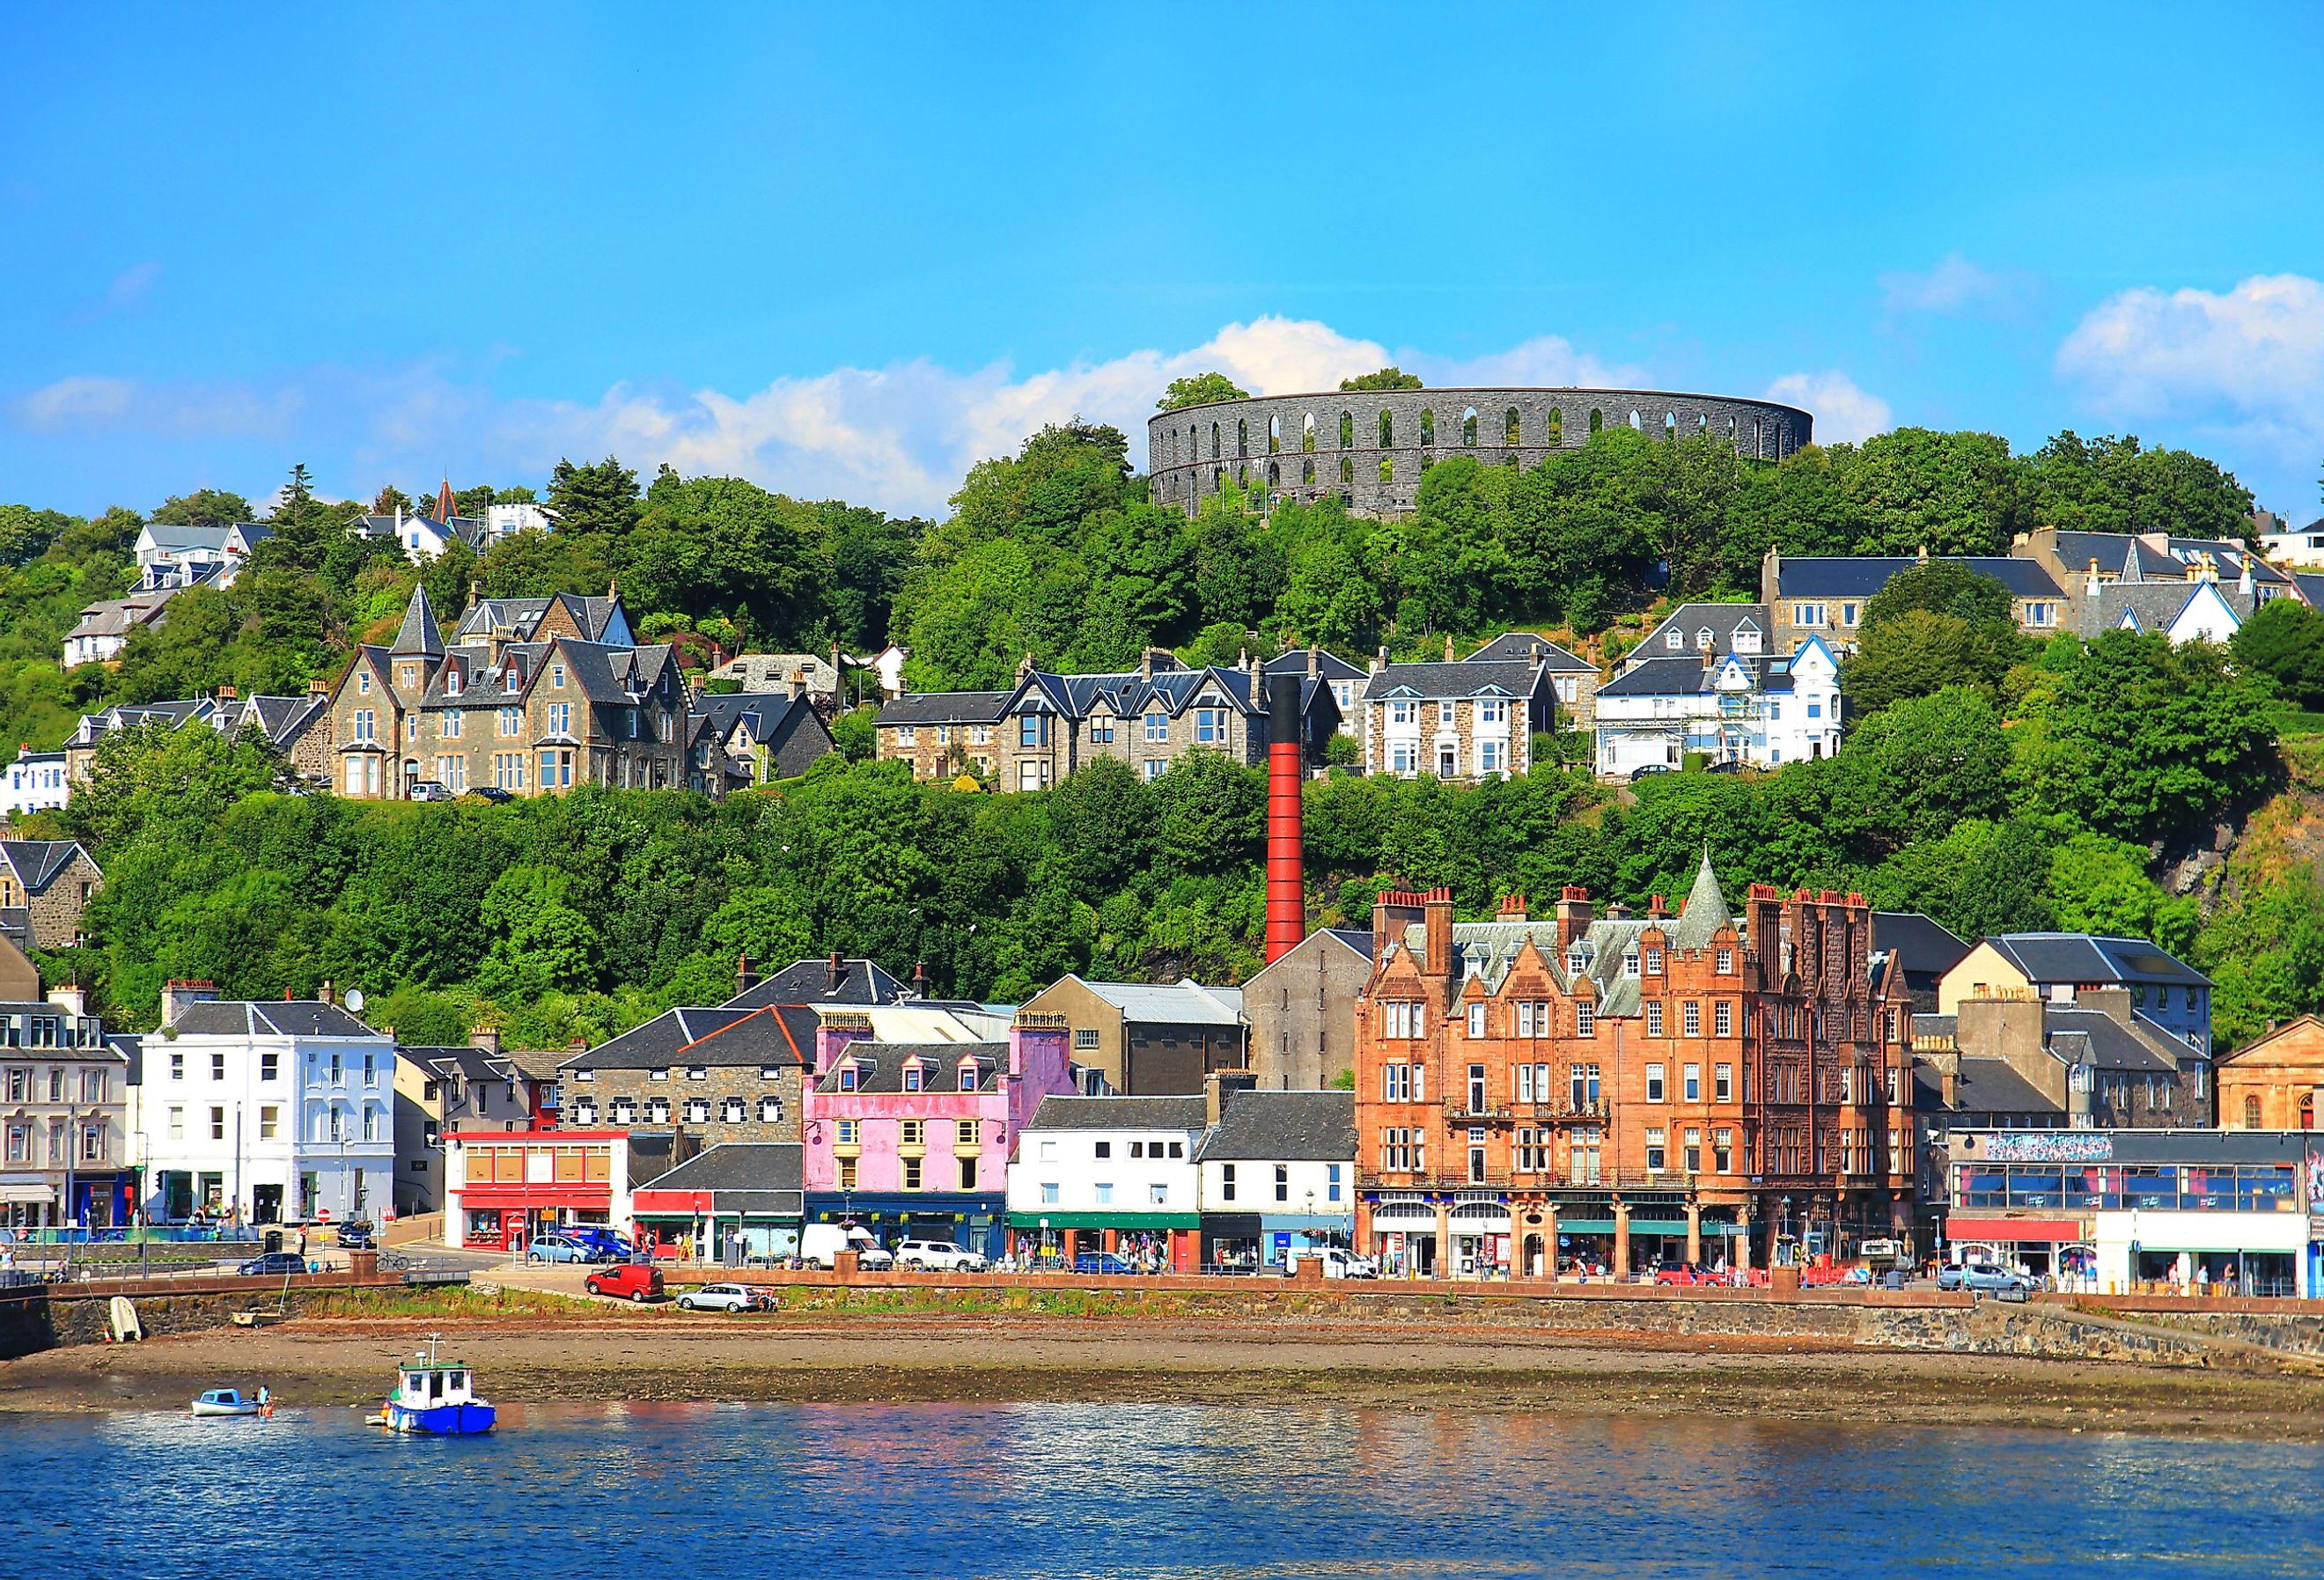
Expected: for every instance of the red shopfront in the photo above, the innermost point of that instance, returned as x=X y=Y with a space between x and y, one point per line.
x=511 y=1186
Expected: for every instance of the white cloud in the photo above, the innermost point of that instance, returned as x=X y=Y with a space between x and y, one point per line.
x=93 y=402
x=132 y=283
x=1955 y=285
x=2241 y=371
x=1842 y=412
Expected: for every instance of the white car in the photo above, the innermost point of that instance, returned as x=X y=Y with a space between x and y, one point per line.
x=1337 y=1263
x=723 y=1297
x=940 y=1256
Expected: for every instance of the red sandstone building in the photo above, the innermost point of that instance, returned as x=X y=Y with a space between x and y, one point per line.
x=1691 y=1087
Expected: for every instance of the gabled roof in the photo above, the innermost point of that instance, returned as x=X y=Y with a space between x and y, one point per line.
x=168 y=535
x=944 y=707
x=1356 y=941
x=2096 y=1038
x=746 y=1177
x=770 y=1035
x=2151 y=606
x=266 y=1018
x=1859 y=576
x=519 y=619
x=809 y=982
x=1256 y=1126
x=1460 y=678
x=1985 y=1085
x=1186 y=1113
x=1690 y=620
x=37 y=861
x=1518 y=647
x=2047 y=958
x=1922 y=946
x=1184 y=1003
x=880 y=1064
x=1671 y=677
x=1330 y=666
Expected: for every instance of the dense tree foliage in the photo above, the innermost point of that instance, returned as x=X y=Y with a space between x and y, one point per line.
x=1200 y=390
x=1386 y=378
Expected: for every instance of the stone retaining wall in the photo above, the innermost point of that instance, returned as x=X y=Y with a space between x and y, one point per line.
x=56 y=1315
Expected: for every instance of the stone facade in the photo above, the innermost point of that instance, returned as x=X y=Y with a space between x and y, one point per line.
x=2277 y=1083
x=1369 y=447
x=1302 y=1010
x=50 y=882
x=706 y=1075
x=1460 y=721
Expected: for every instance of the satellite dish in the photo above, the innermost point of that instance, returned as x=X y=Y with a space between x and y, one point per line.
x=355 y=1000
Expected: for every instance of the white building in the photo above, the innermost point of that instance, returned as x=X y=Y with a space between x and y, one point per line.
x=34 y=783
x=501 y=520
x=1109 y=1173
x=1727 y=700
x=1276 y=1173
x=267 y=1112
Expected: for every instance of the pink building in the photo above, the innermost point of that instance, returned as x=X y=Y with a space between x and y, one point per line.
x=912 y=1140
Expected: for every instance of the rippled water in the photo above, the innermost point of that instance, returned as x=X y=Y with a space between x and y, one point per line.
x=647 y=1491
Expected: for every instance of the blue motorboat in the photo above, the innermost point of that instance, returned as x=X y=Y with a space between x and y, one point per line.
x=436 y=1396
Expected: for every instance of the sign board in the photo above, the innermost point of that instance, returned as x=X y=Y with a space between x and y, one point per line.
x=2047 y=1146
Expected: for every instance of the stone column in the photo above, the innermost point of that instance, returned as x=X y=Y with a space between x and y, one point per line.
x=1621 y=1240
x=1068 y=1249
x=1693 y=1233
x=1549 y=1242
x=1443 y=1238
x=1742 y=1242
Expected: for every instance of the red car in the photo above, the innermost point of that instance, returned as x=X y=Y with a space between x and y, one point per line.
x=633 y=1280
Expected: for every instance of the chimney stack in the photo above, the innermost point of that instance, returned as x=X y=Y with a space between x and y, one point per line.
x=1218 y=1086
x=177 y=995
x=838 y=973
x=1448 y=647
x=919 y=979
x=1315 y=661
x=746 y=976
x=1512 y=908
x=326 y=993
x=1572 y=914
x=1286 y=865
x=1395 y=910
x=1657 y=909
x=485 y=1039
x=73 y=999
x=1437 y=915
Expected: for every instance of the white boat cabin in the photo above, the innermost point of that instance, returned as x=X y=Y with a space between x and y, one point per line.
x=422 y=1385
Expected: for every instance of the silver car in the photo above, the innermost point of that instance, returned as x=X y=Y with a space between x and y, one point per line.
x=723 y=1297
x=939 y=1256
x=1990 y=1278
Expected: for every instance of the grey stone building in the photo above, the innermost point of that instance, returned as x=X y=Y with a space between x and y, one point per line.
x=1302 y=1011
x=703 y=1075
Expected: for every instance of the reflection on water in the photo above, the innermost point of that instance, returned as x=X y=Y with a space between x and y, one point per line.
x=650 y=1491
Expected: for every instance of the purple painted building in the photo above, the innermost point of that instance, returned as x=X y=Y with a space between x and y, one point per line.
x=912 y=1140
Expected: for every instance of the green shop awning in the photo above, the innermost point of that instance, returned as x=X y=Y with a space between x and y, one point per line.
x=1566 y=1225
x=1034 y=1220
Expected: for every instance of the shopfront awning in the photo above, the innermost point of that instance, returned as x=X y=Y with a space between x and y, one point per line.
x=2016 y=1231
x=20 y=1190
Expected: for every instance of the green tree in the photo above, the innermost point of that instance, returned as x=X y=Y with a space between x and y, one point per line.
x=1199 y=389
x=594 y=500
x=2109 y=484
x=2284 y=639
x=1915 y=654
x=538 y=939
x=155 y=780
x=2099 y=885
x=1386 y=378
x=204 y=507
x=1943 y=587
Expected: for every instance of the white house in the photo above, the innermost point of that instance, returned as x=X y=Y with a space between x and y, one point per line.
x=34 y=783
x=265 y=1111
x=1109 y=1174
x=501 y=520
x=1276 y=1173
x=1731 y=705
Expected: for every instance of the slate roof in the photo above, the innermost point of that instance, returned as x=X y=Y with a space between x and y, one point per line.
x=37 y=861
x=1330 y=666
x=2137 y=556
x=168 y=535
x=2108 y=1044
x=119 y=616
x=1859 y=576
x=522 y=618
x=1186 y=1113
x=418 y=634
x=2311 y=586
x=1985 y=1085
x=809 y=982
x=2148 y=605
x=1689 y=619
x=1185 y=1002
x=1258 y=1126
x=753 y=1177
x=944 y=707
x=718 y=713
x=774 y=1034
x=1923 y=946
x=2085 y=958
x=1456 y=679
x=880 y=1066
x=267 y=1018
x=1690 y=676
x=1517 y=647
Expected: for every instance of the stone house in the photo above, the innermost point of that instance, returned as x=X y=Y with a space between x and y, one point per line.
x=45 y=885
x=523 y=701
x=703 y=1075
x=2169 y=995
x=1302 y=1011
x=2277 y=1081
x=1147 y=1040
x=1823 y=595
x=65 y=1147
x=1461 y=721
x=298 y=728
x=742 y=739
x=1573 y=678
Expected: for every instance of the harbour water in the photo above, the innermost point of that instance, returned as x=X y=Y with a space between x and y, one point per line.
x=651 y=1491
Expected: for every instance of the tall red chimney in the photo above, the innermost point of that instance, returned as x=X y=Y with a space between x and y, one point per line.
x=1287 y=879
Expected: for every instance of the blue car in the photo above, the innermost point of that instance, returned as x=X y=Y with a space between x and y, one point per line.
x=1102 y=1262
x=559 y=1248
x=603 y=1241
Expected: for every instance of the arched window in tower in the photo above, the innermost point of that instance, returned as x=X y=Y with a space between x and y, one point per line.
x=1387 y=469
x=1387 y=429
x=1347 y=469
x=1556 y=427
x=1731 y=430
x=1274 y=474
x=1347 y=431
x=1307 y=435
x=1701 y=424
x=1243 y=436
x=1214 y=441
x=1758 y=440
x=1670 y=428
x=1469 y=428
x=1512 y=429
x=1275 y=435
x=1597 y=420
x=1636 y=425
x=1427 y=427
x=1217 y=479
x=1243 y=475
x=1307 y=470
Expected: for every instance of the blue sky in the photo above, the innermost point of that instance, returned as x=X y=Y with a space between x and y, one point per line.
x=846 y=251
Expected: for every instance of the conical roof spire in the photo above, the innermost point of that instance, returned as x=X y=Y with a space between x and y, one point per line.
x=446 y=507
x=418 y=634
x=1705 y=911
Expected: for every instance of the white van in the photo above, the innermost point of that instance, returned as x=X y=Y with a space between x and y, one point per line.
x=821 y=1244
x=1338 y=1263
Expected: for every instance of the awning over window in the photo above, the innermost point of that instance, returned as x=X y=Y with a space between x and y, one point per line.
x=22 y=1190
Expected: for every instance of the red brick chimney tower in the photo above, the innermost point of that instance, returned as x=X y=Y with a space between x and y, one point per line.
x=1286 y=872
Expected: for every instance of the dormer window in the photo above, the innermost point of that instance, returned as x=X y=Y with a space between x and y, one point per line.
x=1576 y=963
x=1630 y=962
x=452 y=682
x=1676 y=641
x=911 y=1077
x=509 y=681
x=968 y=1077
x=847 y=1077
x=1703 y=640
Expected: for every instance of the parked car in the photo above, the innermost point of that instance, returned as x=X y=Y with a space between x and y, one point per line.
x=1103 y=1261
x=561 y=1248
x=940 y=1256
x=1686 y=1275
x=609 y=1246
x=429 y=789
x=1649 y=770
x=1949 y=1276
x=486 y=792
x=626 y=1281
x=356 y=1234
x=1990 y=1278
x=724 y=1297
x=821 y=1244
x=1732 y=765
x=272 y=1265
x=1338 y=1262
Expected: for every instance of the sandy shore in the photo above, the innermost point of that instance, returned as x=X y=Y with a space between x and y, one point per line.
x=664 y=1355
